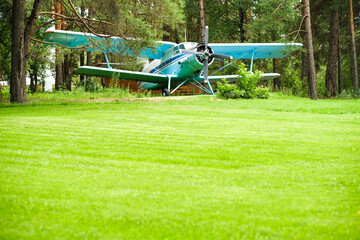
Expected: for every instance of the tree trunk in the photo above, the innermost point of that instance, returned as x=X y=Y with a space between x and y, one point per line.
x=36 y=82
x=18 y=63
x=241 y=24
x=310 y=52
x=88 y=54
x=59 y=79
x=82 y=63
x=67 y=82
x=340 y=81
x=304 y=71
x=354 y=71
x=330 y=79
x=202 y=20
x=21 y=36
x=58 y=70
x=32 y=88
x=66 y=64
x=277 y=81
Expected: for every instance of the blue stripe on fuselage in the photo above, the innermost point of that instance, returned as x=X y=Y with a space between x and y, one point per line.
x=168 y=62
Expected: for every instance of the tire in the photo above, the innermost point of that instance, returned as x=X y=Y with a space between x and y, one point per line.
x=166 y=92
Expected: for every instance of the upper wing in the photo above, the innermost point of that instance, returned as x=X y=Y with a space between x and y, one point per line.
x=235 y=78
x=105 y=43
x=260 y=50
x=123 y=74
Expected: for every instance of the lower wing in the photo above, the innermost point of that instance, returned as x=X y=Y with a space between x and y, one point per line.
x=235 y=78
x=123 y=74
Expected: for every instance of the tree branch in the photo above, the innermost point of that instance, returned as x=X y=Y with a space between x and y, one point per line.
x=84 y=23
x=30 y=24
x=71 y=18
x=277 y=8
x=302 y=20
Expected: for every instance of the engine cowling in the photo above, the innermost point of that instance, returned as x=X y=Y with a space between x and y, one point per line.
x=207 y=56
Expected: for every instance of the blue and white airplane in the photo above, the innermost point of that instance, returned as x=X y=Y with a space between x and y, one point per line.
x=172 y=65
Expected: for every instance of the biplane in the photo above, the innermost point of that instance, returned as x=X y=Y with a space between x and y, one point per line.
x=172 y=65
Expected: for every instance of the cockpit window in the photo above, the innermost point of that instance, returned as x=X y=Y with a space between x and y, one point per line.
x=182 y=46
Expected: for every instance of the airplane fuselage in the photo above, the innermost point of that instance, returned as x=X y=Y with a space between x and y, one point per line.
x=181 y=66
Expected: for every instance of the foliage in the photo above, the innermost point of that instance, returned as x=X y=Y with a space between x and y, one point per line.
x=5 y=40
x=226 y=90
x=88 y=85
x=277 y=21
x=291 y=81
x=262 y=92
x=229 y=21
x=246 y=87
x=248 y=81
x=349 y=94
x=40 y=56
x=147 y=20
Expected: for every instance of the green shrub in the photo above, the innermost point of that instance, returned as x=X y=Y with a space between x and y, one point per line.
x=246 y=87
x=88 y=85
x=226 y=90
x=349 y=94
x=262 y=92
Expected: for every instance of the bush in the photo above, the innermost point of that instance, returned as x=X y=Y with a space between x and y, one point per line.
x=88 y=85
x=246 y=87
x=261 y=92
x=227 y=90
x=349 y=94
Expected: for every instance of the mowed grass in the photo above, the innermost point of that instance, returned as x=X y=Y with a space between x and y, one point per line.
x=192 y=168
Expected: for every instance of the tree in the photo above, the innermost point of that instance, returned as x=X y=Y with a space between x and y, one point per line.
x=202 y=20
x=21 y=37
x=59 y=76
x=331 y=69
x=354 y=71
x=340 y=81
x=5 y=40
x=310 y=52
x=134 y=19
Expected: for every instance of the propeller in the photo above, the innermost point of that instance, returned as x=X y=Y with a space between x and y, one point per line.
x=205 y=54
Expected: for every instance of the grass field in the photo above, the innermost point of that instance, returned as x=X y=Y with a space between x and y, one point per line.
x=192 y=168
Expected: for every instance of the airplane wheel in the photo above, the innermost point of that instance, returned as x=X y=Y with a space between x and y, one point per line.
x=166 y=92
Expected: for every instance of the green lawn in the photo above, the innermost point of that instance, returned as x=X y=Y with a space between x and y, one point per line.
x=195 y=168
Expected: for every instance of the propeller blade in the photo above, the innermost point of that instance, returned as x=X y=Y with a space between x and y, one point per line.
x=206 y=70
x=221 y=56
x=206 y=36
x=190 y=51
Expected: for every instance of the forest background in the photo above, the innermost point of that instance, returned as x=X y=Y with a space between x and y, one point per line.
x=330 y=71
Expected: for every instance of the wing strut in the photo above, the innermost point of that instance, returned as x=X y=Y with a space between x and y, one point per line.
x=196 y=84
x=252 y=60
x=107 y=61
x=210 y=88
